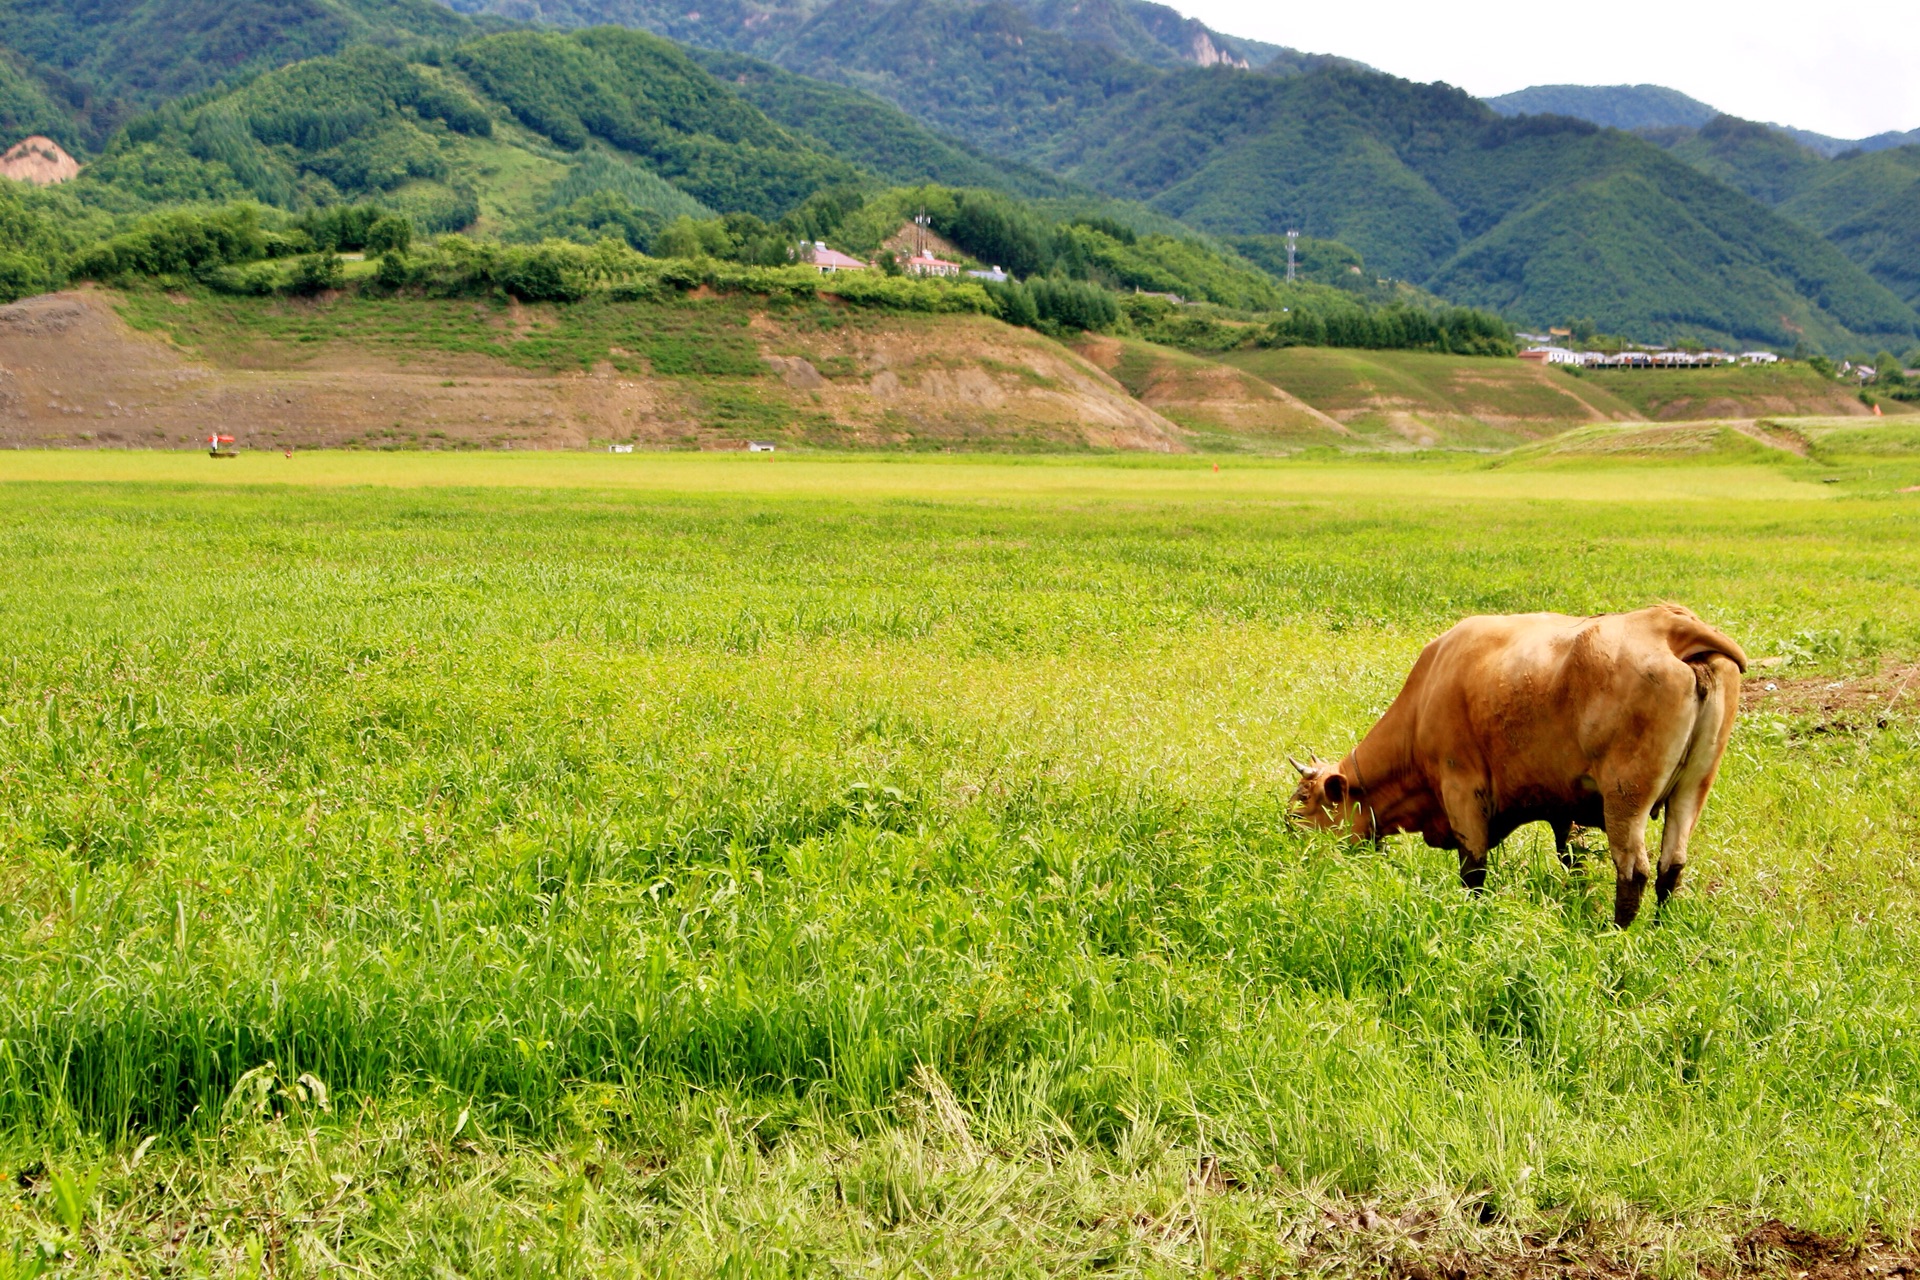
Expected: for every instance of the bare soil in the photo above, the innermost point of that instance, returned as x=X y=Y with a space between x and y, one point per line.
x=38 y=160
x=1836 y=704
x=72 y=373
x=1214 y=397
x=1772 y=1249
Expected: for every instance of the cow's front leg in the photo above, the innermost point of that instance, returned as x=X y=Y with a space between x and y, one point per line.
x=1466 y=808
x=1627 y=835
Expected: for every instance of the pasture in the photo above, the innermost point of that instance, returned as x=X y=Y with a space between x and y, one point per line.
x=679 y=865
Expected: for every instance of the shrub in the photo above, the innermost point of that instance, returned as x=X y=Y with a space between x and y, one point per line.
x=1073 y=304
x=318 y=272
x=393 y=270
x=254 y=279
x=554 y=271
x=22 y=276
x=1013 y=302
x=179 y=242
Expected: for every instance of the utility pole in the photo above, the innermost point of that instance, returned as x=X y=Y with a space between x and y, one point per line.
x=1293 y=239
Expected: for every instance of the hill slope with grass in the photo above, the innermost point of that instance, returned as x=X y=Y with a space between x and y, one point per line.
x=1416 y=399
x=147 y=369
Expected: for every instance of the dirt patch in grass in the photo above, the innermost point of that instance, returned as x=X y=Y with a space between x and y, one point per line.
x=1835 y=703
x=1772 y=1249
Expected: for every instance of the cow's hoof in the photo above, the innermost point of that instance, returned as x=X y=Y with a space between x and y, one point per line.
x=1668 y=884
x=1626 y=900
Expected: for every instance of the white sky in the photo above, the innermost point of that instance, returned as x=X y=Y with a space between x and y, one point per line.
x=1850 y=71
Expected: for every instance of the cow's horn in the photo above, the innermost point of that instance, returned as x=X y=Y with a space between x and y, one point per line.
x=1300 y=768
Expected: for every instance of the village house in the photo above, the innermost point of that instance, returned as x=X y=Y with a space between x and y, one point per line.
x=995 y=276
x=827 y=261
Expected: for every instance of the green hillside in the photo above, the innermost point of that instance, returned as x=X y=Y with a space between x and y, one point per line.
x=1616 y=106
x=1862 y=201
x=1139 y=30
x=1547 y=219
x=871 y=132
x=1757 y=159
x=607 y=124
x=97 y=62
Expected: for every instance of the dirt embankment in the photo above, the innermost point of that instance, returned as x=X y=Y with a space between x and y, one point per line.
x=72 y=373
x=1208 y=397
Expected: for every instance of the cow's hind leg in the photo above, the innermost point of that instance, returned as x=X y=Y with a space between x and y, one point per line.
x=1563 y=840
x=1719 y=698
x=1627 y=835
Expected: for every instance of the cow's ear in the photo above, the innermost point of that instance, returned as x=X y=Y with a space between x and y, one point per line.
x=1335 y=788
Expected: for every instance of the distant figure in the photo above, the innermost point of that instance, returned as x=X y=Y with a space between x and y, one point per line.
x=1540 y=717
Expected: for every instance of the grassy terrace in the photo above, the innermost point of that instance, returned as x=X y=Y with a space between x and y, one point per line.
x=485 y=865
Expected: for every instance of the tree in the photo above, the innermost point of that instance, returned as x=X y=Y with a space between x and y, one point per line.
x=318 y=272
x=392 y=233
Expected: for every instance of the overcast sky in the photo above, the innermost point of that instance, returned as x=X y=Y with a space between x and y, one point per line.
x=1850 y=71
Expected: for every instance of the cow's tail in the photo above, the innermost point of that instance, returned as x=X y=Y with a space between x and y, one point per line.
x=1694 y=641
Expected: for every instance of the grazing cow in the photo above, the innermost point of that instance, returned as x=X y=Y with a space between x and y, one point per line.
x=1540 y=717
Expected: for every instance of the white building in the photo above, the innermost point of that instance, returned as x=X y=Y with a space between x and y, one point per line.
x=1759 y=357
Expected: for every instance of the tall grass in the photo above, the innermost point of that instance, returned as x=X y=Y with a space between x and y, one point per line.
x=859 y=876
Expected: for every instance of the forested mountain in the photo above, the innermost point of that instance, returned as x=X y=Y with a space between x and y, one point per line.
x=1866 y=203
x=1139 y=30
x=490 y=127
x=1549 y=219
x=871 y=132
x=1617 y=106
x=616 y=133
x=80 y=68
x=613 y=131
x=1652 y=107
x=1546 y=218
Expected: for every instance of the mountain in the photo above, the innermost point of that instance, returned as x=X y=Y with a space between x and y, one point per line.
x=1642 y=107
x=1617 y=106
x=1138 y=30
x=504 y=128
x=93 y=64
x=1863 y=202
x=1425 y=183
x=871 y=132
x=1545 y=218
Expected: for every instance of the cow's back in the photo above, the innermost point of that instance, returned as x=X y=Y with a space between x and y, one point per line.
x=1530 y=701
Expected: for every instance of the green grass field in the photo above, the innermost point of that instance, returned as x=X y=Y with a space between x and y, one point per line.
x=488 y=865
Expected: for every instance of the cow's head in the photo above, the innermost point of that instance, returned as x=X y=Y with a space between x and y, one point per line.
x=1324 y=797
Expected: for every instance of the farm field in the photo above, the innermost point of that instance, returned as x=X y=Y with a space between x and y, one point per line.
x=768 y=866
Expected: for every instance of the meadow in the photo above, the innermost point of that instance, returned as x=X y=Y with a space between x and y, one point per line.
x=681 y=865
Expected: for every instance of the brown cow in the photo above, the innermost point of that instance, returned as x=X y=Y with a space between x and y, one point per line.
x=1539 y=717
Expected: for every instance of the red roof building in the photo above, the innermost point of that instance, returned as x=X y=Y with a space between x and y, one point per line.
x=925 y=264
